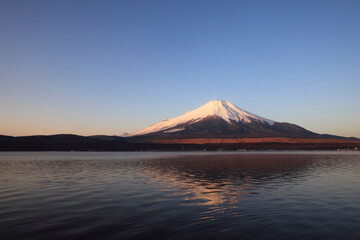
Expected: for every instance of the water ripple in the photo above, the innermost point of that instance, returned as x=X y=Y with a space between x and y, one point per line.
x=179 y=195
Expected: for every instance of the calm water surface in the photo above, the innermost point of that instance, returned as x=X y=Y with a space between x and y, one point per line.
x=75 y=195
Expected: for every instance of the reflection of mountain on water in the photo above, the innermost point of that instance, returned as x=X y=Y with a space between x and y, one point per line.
x=223 y=179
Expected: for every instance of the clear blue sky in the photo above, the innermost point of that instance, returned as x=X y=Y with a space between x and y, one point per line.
x=107 y=67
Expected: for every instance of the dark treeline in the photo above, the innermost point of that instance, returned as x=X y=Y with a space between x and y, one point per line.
x=111 y=143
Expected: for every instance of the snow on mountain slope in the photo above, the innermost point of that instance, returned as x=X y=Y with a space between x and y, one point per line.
x=218 y=108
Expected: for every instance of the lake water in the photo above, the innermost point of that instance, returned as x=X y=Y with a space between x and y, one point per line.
x=92 y=195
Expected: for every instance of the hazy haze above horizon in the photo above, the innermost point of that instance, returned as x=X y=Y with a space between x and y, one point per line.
x=108 y=67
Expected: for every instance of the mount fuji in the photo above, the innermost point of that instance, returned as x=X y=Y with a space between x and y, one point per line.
x=221 y=119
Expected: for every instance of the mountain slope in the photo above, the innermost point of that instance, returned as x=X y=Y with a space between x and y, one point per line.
x=221 y=119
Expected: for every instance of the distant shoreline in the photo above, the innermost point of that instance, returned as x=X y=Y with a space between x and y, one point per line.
x=66 y=142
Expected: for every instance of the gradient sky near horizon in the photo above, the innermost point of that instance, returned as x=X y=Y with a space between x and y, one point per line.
x=108 y=67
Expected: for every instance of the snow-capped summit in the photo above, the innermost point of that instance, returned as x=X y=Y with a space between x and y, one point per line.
x=227 y=111
x=217 y=108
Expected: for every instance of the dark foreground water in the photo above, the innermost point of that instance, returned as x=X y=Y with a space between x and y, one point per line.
x=75 y=195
